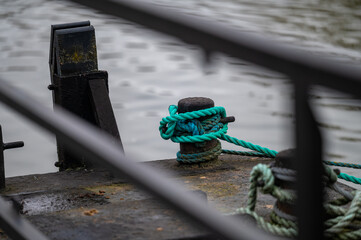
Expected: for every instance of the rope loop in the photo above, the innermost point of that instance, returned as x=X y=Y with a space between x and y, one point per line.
x=261 y=173
x=341 y=221
x=188 y=128
x=185 y=127
x=201 y=156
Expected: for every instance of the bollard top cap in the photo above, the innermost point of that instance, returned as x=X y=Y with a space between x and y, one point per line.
x=285 y=158
x=194 y=103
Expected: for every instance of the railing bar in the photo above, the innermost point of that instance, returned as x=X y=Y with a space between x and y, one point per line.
x=214 y=36
x=86 y=140
x=309 y=204
x=15 y=225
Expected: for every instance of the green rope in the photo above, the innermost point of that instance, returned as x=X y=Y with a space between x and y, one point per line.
x=349 y=178
x=282 y=221
x=340 y=219
x=201 y=157
x=243 y=153
x=269 y=227
x=340 y=164
x=334 y=211
x=265 y=151
x=261 y=173
x=344 y=221
x=186 y=128
x=345 y=176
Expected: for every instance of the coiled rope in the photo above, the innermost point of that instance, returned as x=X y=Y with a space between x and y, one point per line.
x=187 y=128
x=340 y=223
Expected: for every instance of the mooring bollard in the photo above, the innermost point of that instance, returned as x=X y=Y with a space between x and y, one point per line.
x=78 y=85
x=3 y=147
x=285 y=178
x=193 y=104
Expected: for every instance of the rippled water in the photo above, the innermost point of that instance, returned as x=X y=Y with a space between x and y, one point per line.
x=148 y=72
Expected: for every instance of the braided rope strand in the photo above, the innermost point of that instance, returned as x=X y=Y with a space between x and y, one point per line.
x=337 y=227
x=265 y=151
x=348 y=217
x=349 y=178
x=282 y=231
x=200 y=157
x=243 y=153
x=340 y=164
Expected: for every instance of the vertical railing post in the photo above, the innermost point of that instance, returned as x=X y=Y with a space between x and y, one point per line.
x=309 y=205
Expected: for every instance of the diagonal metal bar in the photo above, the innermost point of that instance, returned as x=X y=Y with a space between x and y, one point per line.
x=213 y=36
x=100 y=148
x=16 y=226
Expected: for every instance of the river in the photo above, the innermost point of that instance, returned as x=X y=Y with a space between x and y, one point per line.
x=149 y=71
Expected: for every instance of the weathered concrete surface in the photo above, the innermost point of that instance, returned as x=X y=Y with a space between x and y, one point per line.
x=94 y=205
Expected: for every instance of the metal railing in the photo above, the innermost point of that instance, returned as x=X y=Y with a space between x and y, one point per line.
x=302 y=68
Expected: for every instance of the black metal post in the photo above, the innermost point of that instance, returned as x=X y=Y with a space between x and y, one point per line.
x=308 y=162
x=78 y=85
x=193 y=104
